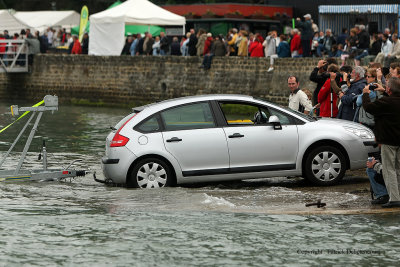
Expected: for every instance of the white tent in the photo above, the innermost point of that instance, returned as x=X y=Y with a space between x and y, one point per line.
x=40 y=20
x=10 y=23
x=107 y=27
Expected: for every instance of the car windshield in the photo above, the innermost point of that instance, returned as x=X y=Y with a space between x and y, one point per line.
x=304 y=116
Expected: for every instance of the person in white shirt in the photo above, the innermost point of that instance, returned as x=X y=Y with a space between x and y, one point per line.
x=298 y=100
x=385 y=50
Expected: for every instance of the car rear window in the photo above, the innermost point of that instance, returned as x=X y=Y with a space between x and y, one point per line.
x=192 y=116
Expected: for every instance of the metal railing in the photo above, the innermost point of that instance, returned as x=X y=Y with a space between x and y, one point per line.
x=13 y=56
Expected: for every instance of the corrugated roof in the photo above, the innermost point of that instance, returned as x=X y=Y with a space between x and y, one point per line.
x=393 y=9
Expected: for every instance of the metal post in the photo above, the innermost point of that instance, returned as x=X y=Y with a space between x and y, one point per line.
x=28 y=143
x=16 y=139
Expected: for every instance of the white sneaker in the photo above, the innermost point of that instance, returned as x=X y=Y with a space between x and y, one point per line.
x=270 y=69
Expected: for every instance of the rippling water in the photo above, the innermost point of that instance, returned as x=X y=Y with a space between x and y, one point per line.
x=87 y=224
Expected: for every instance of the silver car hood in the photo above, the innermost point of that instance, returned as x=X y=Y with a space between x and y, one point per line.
x=340 y=122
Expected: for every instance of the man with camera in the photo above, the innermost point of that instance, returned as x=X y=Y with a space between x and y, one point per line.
x=319 y=75
x=348 y=97
x=386 y=111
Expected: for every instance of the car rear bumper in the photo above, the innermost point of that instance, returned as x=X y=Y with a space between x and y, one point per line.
x=116 y=163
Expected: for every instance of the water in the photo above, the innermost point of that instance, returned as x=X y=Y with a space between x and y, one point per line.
x=82 y=223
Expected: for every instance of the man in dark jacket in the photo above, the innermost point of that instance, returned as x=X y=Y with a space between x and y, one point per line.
x=192 y=43
x=164 y=44
x=348 y=107
x=306 y=34
x=386 y=111
x=319 y=75
x=363 y=38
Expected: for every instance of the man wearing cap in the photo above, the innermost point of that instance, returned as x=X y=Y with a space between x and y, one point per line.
x=306 y=34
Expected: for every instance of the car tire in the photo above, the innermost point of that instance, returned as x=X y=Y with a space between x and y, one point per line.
x=150 y=173
x=325 y=165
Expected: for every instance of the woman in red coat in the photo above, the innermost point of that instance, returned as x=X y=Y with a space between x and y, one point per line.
x=256 y=49
x=327 y=108
x=77 y=48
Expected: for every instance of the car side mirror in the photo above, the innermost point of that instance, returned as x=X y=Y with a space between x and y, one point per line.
x=274 y=120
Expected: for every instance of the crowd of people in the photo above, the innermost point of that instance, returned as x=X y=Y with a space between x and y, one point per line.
x=367 y=95
x=303 y=41
x=41 y=43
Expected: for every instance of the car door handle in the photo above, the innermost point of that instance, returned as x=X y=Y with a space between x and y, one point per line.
x=174 y=139
x=236 y=135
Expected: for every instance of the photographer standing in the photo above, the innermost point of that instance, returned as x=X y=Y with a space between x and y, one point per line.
x=319 y=75
x=326 y=97
x=347 y=109
x=387 y=133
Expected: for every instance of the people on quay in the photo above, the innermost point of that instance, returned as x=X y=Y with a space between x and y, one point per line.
x=85 y=43
x=361 y=115
x=394 y=53
x=375 y=176
x=256 y=48
x=232 y=36
x=134 y=44
x=157 y=46
x=139 y=47
x=192 y=49
x=242 y=44
x=327 y=98
x=295 y=44
x=185 y=45
x=148 y=44
x=385 y=49
x=348 y=98
x=201 y=40
x=386 y=111
x=76 y=48
x=127 y=46
x=283 y=49
x=306 y=34
x=219 y=47
x=175 y=47
x=298 y=100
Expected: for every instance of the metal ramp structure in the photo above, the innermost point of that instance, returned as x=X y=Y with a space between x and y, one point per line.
x=15 y=57
x=45 y=173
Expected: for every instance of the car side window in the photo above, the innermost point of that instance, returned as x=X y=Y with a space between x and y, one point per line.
x=150 y=125
x=283 y=118
x=244 y=114
x=192 y=116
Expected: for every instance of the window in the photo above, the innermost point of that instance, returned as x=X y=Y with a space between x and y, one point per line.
x=150 y=125
x=193 y=116
x=283 y=118
x=244 y=114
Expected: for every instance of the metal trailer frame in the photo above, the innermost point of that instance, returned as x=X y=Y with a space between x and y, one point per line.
x=44 y=174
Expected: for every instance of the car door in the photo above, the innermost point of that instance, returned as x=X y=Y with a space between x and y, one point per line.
x=256 y=145
x=191 y=136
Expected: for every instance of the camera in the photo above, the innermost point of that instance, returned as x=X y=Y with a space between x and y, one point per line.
x=372 y=86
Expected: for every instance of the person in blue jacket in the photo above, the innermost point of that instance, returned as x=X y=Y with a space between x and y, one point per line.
x=283 y=47
x=348 y=99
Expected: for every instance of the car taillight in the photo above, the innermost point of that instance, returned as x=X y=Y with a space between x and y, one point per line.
x=120 y=140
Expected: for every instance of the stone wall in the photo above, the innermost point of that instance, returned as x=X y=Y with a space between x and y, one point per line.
x=126 y=80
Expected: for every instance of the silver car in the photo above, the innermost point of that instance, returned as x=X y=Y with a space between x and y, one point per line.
x=230 y=137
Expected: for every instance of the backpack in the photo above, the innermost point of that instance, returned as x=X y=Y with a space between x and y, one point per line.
x=365 y=117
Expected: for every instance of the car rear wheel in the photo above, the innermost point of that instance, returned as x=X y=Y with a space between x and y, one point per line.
x=325 y=165
x=150 y=173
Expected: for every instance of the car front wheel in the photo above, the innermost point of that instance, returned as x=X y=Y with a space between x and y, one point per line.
x=325 y=165
x=150 y=173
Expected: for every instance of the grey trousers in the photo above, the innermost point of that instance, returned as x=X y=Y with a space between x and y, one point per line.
x=391 y=170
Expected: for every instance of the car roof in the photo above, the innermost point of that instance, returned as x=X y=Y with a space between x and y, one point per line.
x=190 y=99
